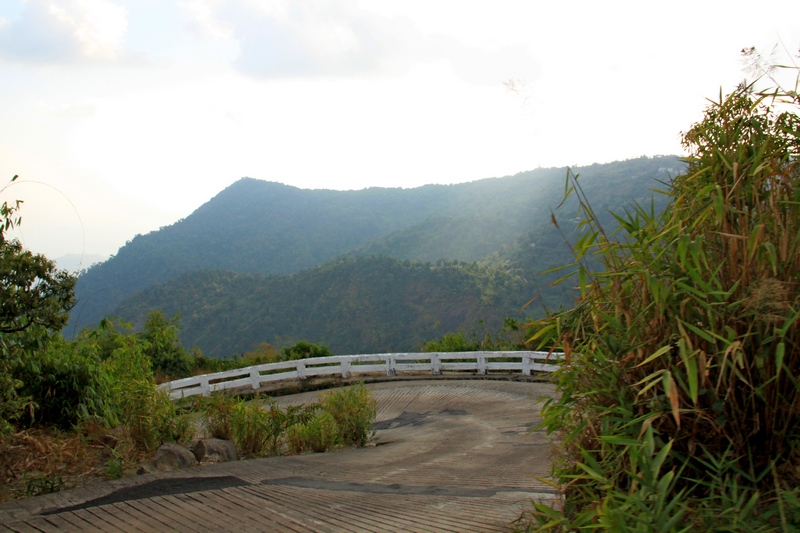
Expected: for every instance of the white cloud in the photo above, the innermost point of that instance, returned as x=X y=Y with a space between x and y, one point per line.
x=66 y=31
x=204 y=22
x=284 y=39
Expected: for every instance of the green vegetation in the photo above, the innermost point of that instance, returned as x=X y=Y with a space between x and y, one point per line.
x=357 y=305
x=342 y=417
x=35 y=299
x=304 y=350
x=510 y=338
x=92 y=404
x=679 y=405
x=255 y=227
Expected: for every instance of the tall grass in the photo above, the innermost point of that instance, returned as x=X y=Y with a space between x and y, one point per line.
x=342 y=417
x=679 y=404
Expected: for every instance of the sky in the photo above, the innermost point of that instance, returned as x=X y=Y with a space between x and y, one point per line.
x=123 y=116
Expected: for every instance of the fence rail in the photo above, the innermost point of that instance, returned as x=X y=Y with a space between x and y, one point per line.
x=346 y=366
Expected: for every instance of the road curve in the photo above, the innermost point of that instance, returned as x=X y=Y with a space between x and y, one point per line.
x=455 y=455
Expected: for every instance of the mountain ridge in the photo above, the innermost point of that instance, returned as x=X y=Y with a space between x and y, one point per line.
x=259 y=227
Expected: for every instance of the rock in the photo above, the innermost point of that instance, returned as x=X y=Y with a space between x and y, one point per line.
x=215 y=450
x=169 y=456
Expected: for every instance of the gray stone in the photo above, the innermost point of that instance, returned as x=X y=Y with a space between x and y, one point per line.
x=215 y=450
x=170 y=456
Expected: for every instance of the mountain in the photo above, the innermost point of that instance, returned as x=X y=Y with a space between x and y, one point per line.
x=257 y=227
x=78 y=262
x=356 y=305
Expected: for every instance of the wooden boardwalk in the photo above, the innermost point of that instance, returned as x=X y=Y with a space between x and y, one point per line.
x=450 y=456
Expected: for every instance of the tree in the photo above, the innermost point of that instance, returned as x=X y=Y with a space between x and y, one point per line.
x=164 y=346
x=35 y=300
x=304 y=350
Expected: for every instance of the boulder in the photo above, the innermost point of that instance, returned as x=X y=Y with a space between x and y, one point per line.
x=169 y=456
x=215 y=450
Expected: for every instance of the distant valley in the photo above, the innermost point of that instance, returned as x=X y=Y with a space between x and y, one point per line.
x=361 y=271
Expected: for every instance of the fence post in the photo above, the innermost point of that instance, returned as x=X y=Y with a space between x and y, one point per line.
x=346 y=368
x=255 y=379
x=481 y=365
x=390 y=370
x=436 y=365
x=526 y=365
x=301 y=370
x=205 y=388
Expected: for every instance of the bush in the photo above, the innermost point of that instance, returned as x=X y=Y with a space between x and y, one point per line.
x=64 y=384
x=147 y=413
x=163 y=346
x=304 y=350
x=353 y=409
x=319 y=434
x=679 y=403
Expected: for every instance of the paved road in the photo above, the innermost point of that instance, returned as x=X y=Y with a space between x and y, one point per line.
x=451 y=456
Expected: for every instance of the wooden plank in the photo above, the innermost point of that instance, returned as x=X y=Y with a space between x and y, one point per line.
x=23 y=527
x=96 y=522
x=185 y=512
x=62 y=524
x=300 y=499
x=229 y=503
x=242 y=521
x=78 y=522
x=142 y=521
x=257 y=505
x=303 y=517
x=211 y=518
x=165 y=512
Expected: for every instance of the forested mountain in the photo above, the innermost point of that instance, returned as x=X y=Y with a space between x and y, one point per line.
x=360 y=305
x=257 y=227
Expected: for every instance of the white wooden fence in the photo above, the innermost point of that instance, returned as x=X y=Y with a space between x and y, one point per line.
x=346 y=366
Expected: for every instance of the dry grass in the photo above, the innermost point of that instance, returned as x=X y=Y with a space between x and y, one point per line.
x=44 y=460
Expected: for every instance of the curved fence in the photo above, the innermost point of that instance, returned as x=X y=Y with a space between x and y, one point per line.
x=345 y=366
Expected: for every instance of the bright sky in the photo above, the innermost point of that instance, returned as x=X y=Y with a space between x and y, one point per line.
x=121 y=116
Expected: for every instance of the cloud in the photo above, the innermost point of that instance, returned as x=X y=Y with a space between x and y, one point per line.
x=69 y=111
x=68 y=31
x=286 y=38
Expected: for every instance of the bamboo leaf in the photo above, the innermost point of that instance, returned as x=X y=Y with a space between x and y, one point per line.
x=661 y=351
x=779 y=354
x=672 y=392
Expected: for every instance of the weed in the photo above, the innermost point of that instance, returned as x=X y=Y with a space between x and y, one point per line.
x=353 y=409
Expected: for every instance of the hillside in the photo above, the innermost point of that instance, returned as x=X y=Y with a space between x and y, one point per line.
x=257 y=227
x=361 y=305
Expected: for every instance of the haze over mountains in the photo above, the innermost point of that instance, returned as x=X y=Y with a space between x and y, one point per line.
x=361 y=271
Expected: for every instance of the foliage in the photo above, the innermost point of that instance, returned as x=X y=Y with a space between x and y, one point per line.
x=256 y=227
x=148 y=415
x=35 y=299
x=510 y=338
x=163 y=346
x=453 y=342
x=358 y=305
x=342 y=417
x=304 y=350
x=319 y=434
x=65 y=383
x=353 y=409
x=679 y=404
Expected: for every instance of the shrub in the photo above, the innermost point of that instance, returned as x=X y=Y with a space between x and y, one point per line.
x=148 y=415
x=304 y=350
x=257 y=431
x=679 y=402
x=319 y=434
x=163 y=346
x=64 y=384
x=353 y=409
x=217 y=411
